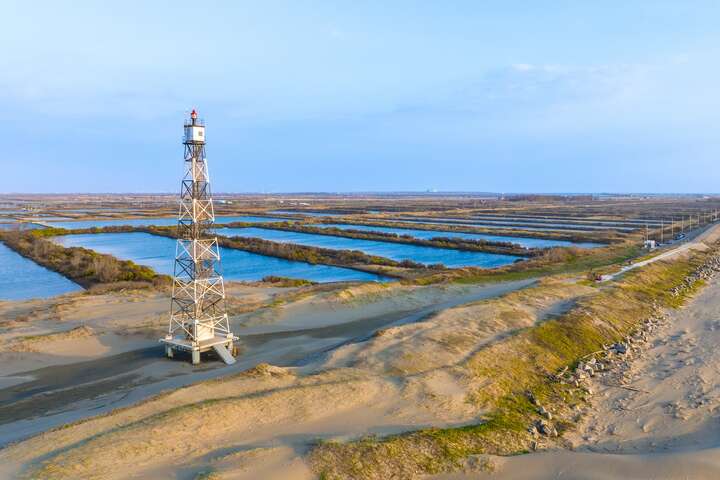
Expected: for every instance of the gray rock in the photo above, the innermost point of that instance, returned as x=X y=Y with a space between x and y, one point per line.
x=546 y=429
x=544 y=412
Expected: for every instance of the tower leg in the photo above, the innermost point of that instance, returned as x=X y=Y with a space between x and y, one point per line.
x=195 y=357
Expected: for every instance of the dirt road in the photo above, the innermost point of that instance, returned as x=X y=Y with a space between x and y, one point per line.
x=694 y=240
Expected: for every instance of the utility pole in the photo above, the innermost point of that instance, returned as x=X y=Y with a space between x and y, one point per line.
x=672 y=228
x=662 y=231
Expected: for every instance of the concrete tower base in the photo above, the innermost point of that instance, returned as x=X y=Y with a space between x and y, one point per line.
x=222 y=345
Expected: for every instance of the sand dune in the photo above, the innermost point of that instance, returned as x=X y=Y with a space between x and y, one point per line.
x=666 y=428
x=269 y=410
x=376 y=360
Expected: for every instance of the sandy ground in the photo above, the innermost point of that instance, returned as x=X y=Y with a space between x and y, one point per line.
x=327 y=364
x=82 y=326
x=82 y=355
x=668 y=427
x=367 y=360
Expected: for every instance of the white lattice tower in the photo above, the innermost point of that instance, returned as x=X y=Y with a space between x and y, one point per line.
x=198 y=320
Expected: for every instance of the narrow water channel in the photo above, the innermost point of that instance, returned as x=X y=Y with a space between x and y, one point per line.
x=527 y=242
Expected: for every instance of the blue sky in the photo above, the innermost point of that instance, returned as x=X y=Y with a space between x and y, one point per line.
x=541 y=96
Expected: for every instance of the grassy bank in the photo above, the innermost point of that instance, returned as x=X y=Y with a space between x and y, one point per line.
x=314 y=255
x=554 y=261
x=549 y=262
x=596 y=236
x=508 y=371
x=301 y=253
x=503 y=248
x=83 y=266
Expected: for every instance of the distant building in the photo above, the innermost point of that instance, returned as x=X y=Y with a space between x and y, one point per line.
x=650 y=244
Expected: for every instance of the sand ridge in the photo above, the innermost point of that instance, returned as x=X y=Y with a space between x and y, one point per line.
x=407 y=376
x=663 y=426
x=290 y=408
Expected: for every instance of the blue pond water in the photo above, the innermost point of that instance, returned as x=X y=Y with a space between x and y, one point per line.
x=395 y=251
x=556 y=225
x=158 y=253
x=45 y=218
x=566 y=220
x=428 y=234
x=160 y=222
x=18 y=226
x=21 y=279
x=508 y=225
x=306 y=213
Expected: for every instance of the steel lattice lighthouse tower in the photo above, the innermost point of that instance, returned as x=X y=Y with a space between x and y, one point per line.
x=198 y=320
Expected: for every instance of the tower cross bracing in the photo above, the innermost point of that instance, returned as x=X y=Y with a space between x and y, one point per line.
x=198 y=319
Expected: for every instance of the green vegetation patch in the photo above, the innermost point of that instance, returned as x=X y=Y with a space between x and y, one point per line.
x=286 y=281
x=604 y=236
x=454 y=243
x=555 y=261
x=508 y=371
x=85 y=267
